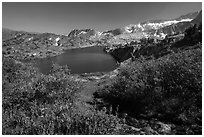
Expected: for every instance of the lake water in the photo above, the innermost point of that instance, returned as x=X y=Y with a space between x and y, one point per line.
x=83 y=60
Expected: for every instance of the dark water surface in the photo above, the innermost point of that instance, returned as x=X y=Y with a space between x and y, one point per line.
x=83 y=60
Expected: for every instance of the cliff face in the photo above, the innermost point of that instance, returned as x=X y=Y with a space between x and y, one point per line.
x=122 y=54
x=159 y=47
x=175 y=28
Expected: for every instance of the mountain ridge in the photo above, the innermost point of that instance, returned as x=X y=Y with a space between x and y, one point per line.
x=154 y=28
x=43 y=44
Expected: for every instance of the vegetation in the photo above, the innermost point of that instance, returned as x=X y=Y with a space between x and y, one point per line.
x=162 y=84
x=168 y=88
x=34 y=103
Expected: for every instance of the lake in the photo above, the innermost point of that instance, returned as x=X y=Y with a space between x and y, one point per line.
x=80 y=60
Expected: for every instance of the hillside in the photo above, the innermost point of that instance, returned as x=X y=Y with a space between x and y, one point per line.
x=156 y=90
x=135 y=47
x=26 y=45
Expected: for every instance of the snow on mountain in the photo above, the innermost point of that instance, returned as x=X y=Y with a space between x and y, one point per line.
x=82 y=32
x=165 y=23
x=140 y=26
x=163 y=35
x=161 y=28
x=30 y=38
x=57 y=39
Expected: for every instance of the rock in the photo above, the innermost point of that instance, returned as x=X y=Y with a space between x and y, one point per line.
x=149 y=131
x=164 y=128
x=135 y=129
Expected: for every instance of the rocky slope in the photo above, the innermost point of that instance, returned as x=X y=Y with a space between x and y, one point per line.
x=21 y=45
x=26 y=45
x=158 y=44
x=149 y=29
x=84 y=37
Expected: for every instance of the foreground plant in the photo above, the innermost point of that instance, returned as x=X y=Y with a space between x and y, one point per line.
x=168 y=88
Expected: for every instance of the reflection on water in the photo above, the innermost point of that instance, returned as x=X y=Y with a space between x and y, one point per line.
x=85 y=60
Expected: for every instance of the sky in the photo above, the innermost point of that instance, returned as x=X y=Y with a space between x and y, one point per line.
x=62 y=17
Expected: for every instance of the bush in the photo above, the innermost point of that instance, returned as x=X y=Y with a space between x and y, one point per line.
x=169 y=88
x=28 y=94
x=37 y=104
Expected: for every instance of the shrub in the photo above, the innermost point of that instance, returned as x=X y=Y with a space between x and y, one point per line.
x=37 y=104
x=169 y=88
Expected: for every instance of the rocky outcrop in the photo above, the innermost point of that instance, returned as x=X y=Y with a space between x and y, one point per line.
x=149 y=48
x=172 y=34
x=84 y=37
x=122 y=54
x=115 y=32
x=174 y=29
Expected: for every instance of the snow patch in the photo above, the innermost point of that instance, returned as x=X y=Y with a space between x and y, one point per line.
x=128 y=29
x=163 y=35
x=140 y=26
x=186 y=20
x=82 y=32
x=167 y=23
x=30 y=38
x=57 y=39
x=99 y=33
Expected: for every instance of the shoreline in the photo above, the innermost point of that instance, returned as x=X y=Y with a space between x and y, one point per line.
x=42 y=54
